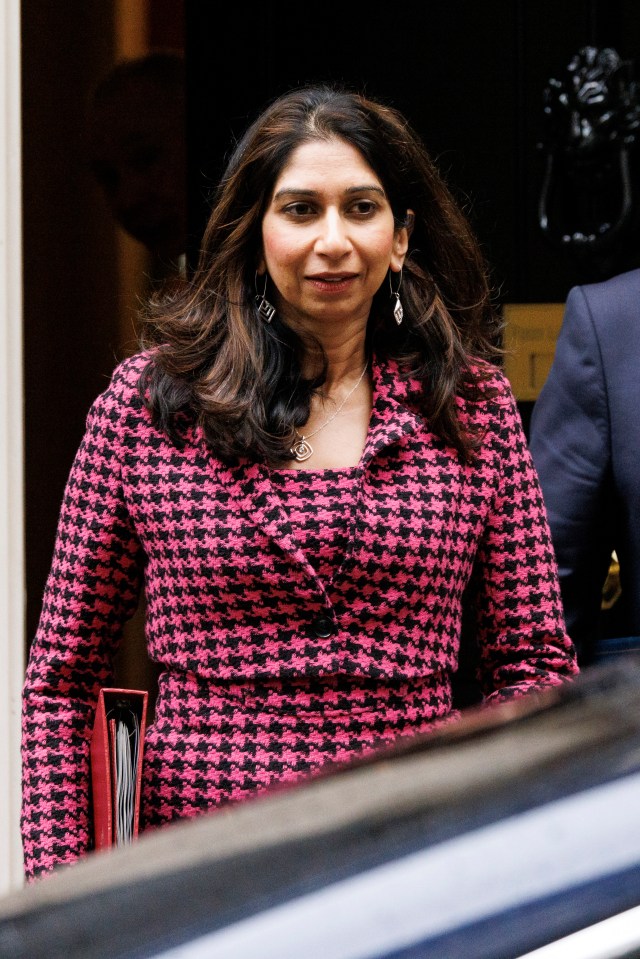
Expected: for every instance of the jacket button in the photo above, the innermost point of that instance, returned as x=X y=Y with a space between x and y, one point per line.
x=323 y=627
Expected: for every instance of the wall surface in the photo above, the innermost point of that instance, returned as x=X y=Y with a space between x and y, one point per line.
x=11 y=444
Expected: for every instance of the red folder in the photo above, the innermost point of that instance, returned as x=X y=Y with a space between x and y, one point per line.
x=117 y=744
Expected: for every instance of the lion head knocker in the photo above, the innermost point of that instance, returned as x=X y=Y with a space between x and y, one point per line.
x=592 y=124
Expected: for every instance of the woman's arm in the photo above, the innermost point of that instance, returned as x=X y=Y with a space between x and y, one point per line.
x=92 y=588
x=520 y=626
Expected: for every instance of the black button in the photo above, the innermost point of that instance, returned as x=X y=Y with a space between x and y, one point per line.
x=323 y=627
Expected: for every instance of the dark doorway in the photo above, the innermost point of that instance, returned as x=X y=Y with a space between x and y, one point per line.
x=469 y=76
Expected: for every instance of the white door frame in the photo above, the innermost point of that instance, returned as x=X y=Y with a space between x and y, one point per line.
x=12 y=569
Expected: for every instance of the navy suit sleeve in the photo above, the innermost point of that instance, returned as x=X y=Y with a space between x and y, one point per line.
x=570 y=445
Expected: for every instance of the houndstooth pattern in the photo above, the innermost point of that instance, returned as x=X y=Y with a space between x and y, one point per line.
x=242 y=566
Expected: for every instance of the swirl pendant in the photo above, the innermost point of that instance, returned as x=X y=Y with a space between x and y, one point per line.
x=301 y=449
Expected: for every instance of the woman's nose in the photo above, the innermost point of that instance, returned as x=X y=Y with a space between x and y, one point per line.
x=333 y=238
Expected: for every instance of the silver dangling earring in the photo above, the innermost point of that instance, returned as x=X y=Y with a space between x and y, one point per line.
x=398 y=312
x=265 y=309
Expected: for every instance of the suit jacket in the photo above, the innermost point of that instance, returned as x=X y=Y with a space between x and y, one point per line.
x=235 y=607
x=585 y=442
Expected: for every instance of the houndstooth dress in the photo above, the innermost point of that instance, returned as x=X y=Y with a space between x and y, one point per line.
x=299 y=618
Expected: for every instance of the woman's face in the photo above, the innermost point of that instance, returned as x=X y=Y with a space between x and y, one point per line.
x=328 y=236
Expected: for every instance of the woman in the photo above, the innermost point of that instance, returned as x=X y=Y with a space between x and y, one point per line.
x=316 y=468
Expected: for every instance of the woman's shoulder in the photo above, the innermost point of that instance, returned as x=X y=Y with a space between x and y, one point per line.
x=491 y=386
x=498 y=382
x=483 y=392
x=128 y=371
x=122 y=393
x=491 y=408
x=126 y=374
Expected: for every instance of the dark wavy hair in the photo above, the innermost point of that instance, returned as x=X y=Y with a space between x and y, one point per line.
x=215 y=359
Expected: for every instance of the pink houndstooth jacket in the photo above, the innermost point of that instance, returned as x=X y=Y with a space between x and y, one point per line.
x=269 y=670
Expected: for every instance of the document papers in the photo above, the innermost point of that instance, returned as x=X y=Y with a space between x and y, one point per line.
x=117 y=747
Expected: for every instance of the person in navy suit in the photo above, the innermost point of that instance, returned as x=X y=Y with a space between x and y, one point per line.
x=585 y=442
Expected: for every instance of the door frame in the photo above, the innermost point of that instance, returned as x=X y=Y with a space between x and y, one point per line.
x=12 y=560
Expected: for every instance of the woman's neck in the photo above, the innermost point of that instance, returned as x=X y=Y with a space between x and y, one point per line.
x=345 y=356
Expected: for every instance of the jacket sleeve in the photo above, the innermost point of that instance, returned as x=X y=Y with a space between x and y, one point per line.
x=569 y=442
x=92 y=588
x=521 y=633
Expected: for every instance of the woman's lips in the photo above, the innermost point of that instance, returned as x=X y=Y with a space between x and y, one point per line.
x=332 y=283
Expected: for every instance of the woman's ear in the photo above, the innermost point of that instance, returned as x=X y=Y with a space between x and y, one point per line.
x=261 y=268
x=401 y=242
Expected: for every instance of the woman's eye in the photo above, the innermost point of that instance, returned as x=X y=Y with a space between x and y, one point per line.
x=298 y=209
x=364 y=207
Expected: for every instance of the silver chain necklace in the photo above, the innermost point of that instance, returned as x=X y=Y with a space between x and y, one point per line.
x=302 y=448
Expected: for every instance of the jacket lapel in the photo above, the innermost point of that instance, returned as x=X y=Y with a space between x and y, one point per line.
x=249 y=485
x=393 y=415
